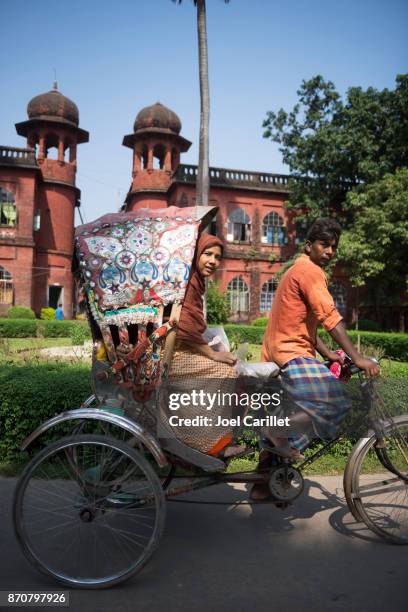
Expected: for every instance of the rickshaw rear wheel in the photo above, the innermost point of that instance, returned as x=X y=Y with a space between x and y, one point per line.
x=89 y=511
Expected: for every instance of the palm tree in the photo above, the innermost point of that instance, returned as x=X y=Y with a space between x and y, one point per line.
x=203 y=175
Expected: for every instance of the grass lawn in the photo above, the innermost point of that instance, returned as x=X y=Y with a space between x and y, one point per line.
x=25 y=344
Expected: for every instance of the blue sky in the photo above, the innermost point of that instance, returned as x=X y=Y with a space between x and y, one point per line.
x=115 y=57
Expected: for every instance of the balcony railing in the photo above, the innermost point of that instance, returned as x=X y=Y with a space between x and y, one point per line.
x=187 y=173
x=17 y=156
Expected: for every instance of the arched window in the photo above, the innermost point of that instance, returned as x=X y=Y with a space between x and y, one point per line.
x=267 y=294
x=339 y=294
x=8 y=210
x=6 y=287
x=239 y=226
x=274 y=230
x=238 y=293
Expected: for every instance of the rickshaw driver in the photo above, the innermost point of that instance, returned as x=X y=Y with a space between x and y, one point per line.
x=301 y=302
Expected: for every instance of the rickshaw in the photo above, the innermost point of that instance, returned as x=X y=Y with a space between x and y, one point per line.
x=89 y=509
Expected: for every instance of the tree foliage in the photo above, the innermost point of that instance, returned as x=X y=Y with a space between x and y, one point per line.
x=348 y=158
x=218 y=309
x=375 y=246
x=332 y=146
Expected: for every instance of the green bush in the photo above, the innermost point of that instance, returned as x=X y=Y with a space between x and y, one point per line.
x=261 y=322
x=18 y=328
x=218 y=309
x=31 y=394
x=62 y=329
x=79 y=333
x=27 y=328
x=47 y=314
x=20 y=312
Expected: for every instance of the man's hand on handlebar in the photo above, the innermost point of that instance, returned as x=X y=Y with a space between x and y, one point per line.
x=371 y=368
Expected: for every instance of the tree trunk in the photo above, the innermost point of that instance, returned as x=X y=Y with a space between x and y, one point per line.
x=203 y=177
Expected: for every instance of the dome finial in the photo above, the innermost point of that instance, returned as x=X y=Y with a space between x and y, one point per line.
x=55 y=86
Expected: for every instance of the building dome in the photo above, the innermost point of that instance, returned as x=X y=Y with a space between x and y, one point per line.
x=158 y=117
x=53 y=106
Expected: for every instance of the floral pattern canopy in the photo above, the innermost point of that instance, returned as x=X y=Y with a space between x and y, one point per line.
x=132 y=265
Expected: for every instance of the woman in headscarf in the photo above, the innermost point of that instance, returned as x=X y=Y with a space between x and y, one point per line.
x=192 y=324
x=196 y=364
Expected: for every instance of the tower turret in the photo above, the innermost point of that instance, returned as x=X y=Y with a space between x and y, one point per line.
x=53 y=131
x=156 y=145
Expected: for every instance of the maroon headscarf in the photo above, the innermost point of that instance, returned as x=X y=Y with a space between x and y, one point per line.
x=191 y=324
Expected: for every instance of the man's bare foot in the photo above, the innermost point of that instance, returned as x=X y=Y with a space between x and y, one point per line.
x=282 y=448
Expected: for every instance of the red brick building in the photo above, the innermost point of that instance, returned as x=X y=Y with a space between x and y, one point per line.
x=38 y=196
x=258 y=233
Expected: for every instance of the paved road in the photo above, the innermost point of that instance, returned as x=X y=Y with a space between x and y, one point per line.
x=311 y=556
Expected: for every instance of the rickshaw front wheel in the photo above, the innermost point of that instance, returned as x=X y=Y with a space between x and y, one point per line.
x=89 y=511
x=376 y=486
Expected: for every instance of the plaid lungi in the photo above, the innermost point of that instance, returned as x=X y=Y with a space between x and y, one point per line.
x=311 y=387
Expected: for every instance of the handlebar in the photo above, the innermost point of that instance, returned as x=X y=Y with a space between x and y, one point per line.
x=350 y=365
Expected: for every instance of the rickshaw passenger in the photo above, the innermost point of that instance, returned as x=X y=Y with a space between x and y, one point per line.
x=193 y=358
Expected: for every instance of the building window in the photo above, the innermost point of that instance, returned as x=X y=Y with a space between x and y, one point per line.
x=8 y=210
x=6 y=287
x=238 y=293
x=274 y=230
x=339 y=294
x=239 y=226
x=267 y=294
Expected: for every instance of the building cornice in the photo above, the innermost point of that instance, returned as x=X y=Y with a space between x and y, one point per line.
x=229 y=178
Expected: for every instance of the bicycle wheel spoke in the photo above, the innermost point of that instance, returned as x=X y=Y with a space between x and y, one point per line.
x=80 y=510
x=380 y=482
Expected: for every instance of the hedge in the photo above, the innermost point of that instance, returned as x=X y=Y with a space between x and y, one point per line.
x=31 y=394
x=363 y=324
x=18 y=328
x=394 y=345
x=27 y=328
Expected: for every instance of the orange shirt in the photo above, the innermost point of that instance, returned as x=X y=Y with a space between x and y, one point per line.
x=301 y=302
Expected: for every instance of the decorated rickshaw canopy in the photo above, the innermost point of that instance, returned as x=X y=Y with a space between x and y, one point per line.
x=131 y=263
